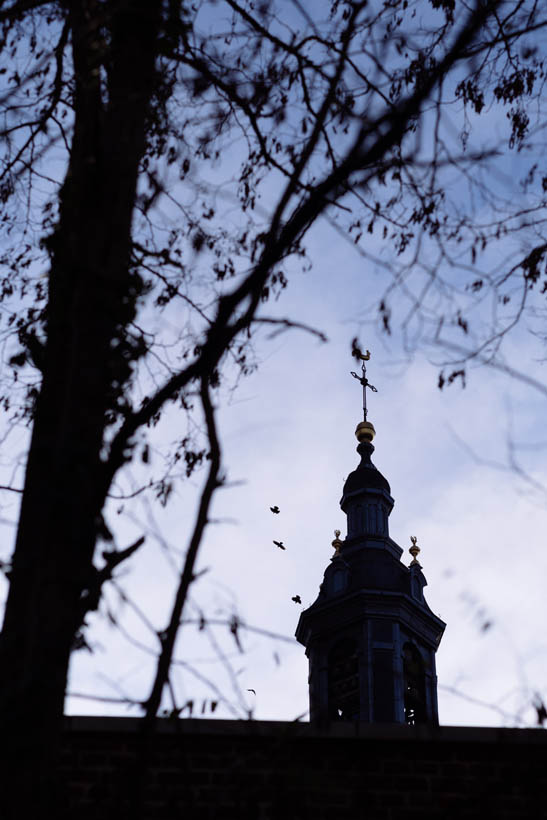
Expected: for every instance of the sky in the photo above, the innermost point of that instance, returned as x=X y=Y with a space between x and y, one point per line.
x=288 y=440
x=287 y=435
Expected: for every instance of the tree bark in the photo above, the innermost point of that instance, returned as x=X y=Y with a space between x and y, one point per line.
x=92 y=297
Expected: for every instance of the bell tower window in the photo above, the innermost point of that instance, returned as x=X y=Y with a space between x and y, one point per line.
x=414 y=685
x=344 y=681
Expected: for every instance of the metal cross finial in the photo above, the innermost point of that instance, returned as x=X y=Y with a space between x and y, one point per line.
x=362 y=357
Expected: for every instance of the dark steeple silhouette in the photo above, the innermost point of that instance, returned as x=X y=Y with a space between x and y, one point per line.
x=370 y=636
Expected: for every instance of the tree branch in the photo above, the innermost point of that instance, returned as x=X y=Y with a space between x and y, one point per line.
x=187 y=575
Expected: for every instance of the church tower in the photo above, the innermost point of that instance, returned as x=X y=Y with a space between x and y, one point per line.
x=370 y=636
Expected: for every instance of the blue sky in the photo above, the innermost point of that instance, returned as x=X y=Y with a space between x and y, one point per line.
x=288 y=439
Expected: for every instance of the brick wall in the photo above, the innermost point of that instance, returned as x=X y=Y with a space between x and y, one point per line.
x=261 y=770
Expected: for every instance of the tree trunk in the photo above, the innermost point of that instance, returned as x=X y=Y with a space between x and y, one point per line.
x=91 y=299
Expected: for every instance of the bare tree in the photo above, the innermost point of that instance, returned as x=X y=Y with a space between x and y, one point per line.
x=118 y=193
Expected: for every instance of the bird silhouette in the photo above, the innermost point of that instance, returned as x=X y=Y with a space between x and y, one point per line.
x=279 y=544
x=275 y=509
x=297 y=599
x=251 y=690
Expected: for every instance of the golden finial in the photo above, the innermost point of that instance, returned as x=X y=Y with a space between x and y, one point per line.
x=365 y=430
x=337 y=543
x=414 y=550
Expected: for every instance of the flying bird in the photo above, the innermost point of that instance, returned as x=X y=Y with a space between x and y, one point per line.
x=251 y=690
x=275 y=509
x=280 y=545
x=297 y=599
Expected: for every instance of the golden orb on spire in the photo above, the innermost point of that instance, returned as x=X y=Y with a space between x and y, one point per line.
x=365 y=431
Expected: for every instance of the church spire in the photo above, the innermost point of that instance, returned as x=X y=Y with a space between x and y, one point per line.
x=366 y=497
x=370 y=636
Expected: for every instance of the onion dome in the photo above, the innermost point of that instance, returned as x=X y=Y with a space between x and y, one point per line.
x=366 y=497
x=366 y=476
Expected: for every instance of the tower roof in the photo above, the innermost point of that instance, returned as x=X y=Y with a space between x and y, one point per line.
x=366 y=475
